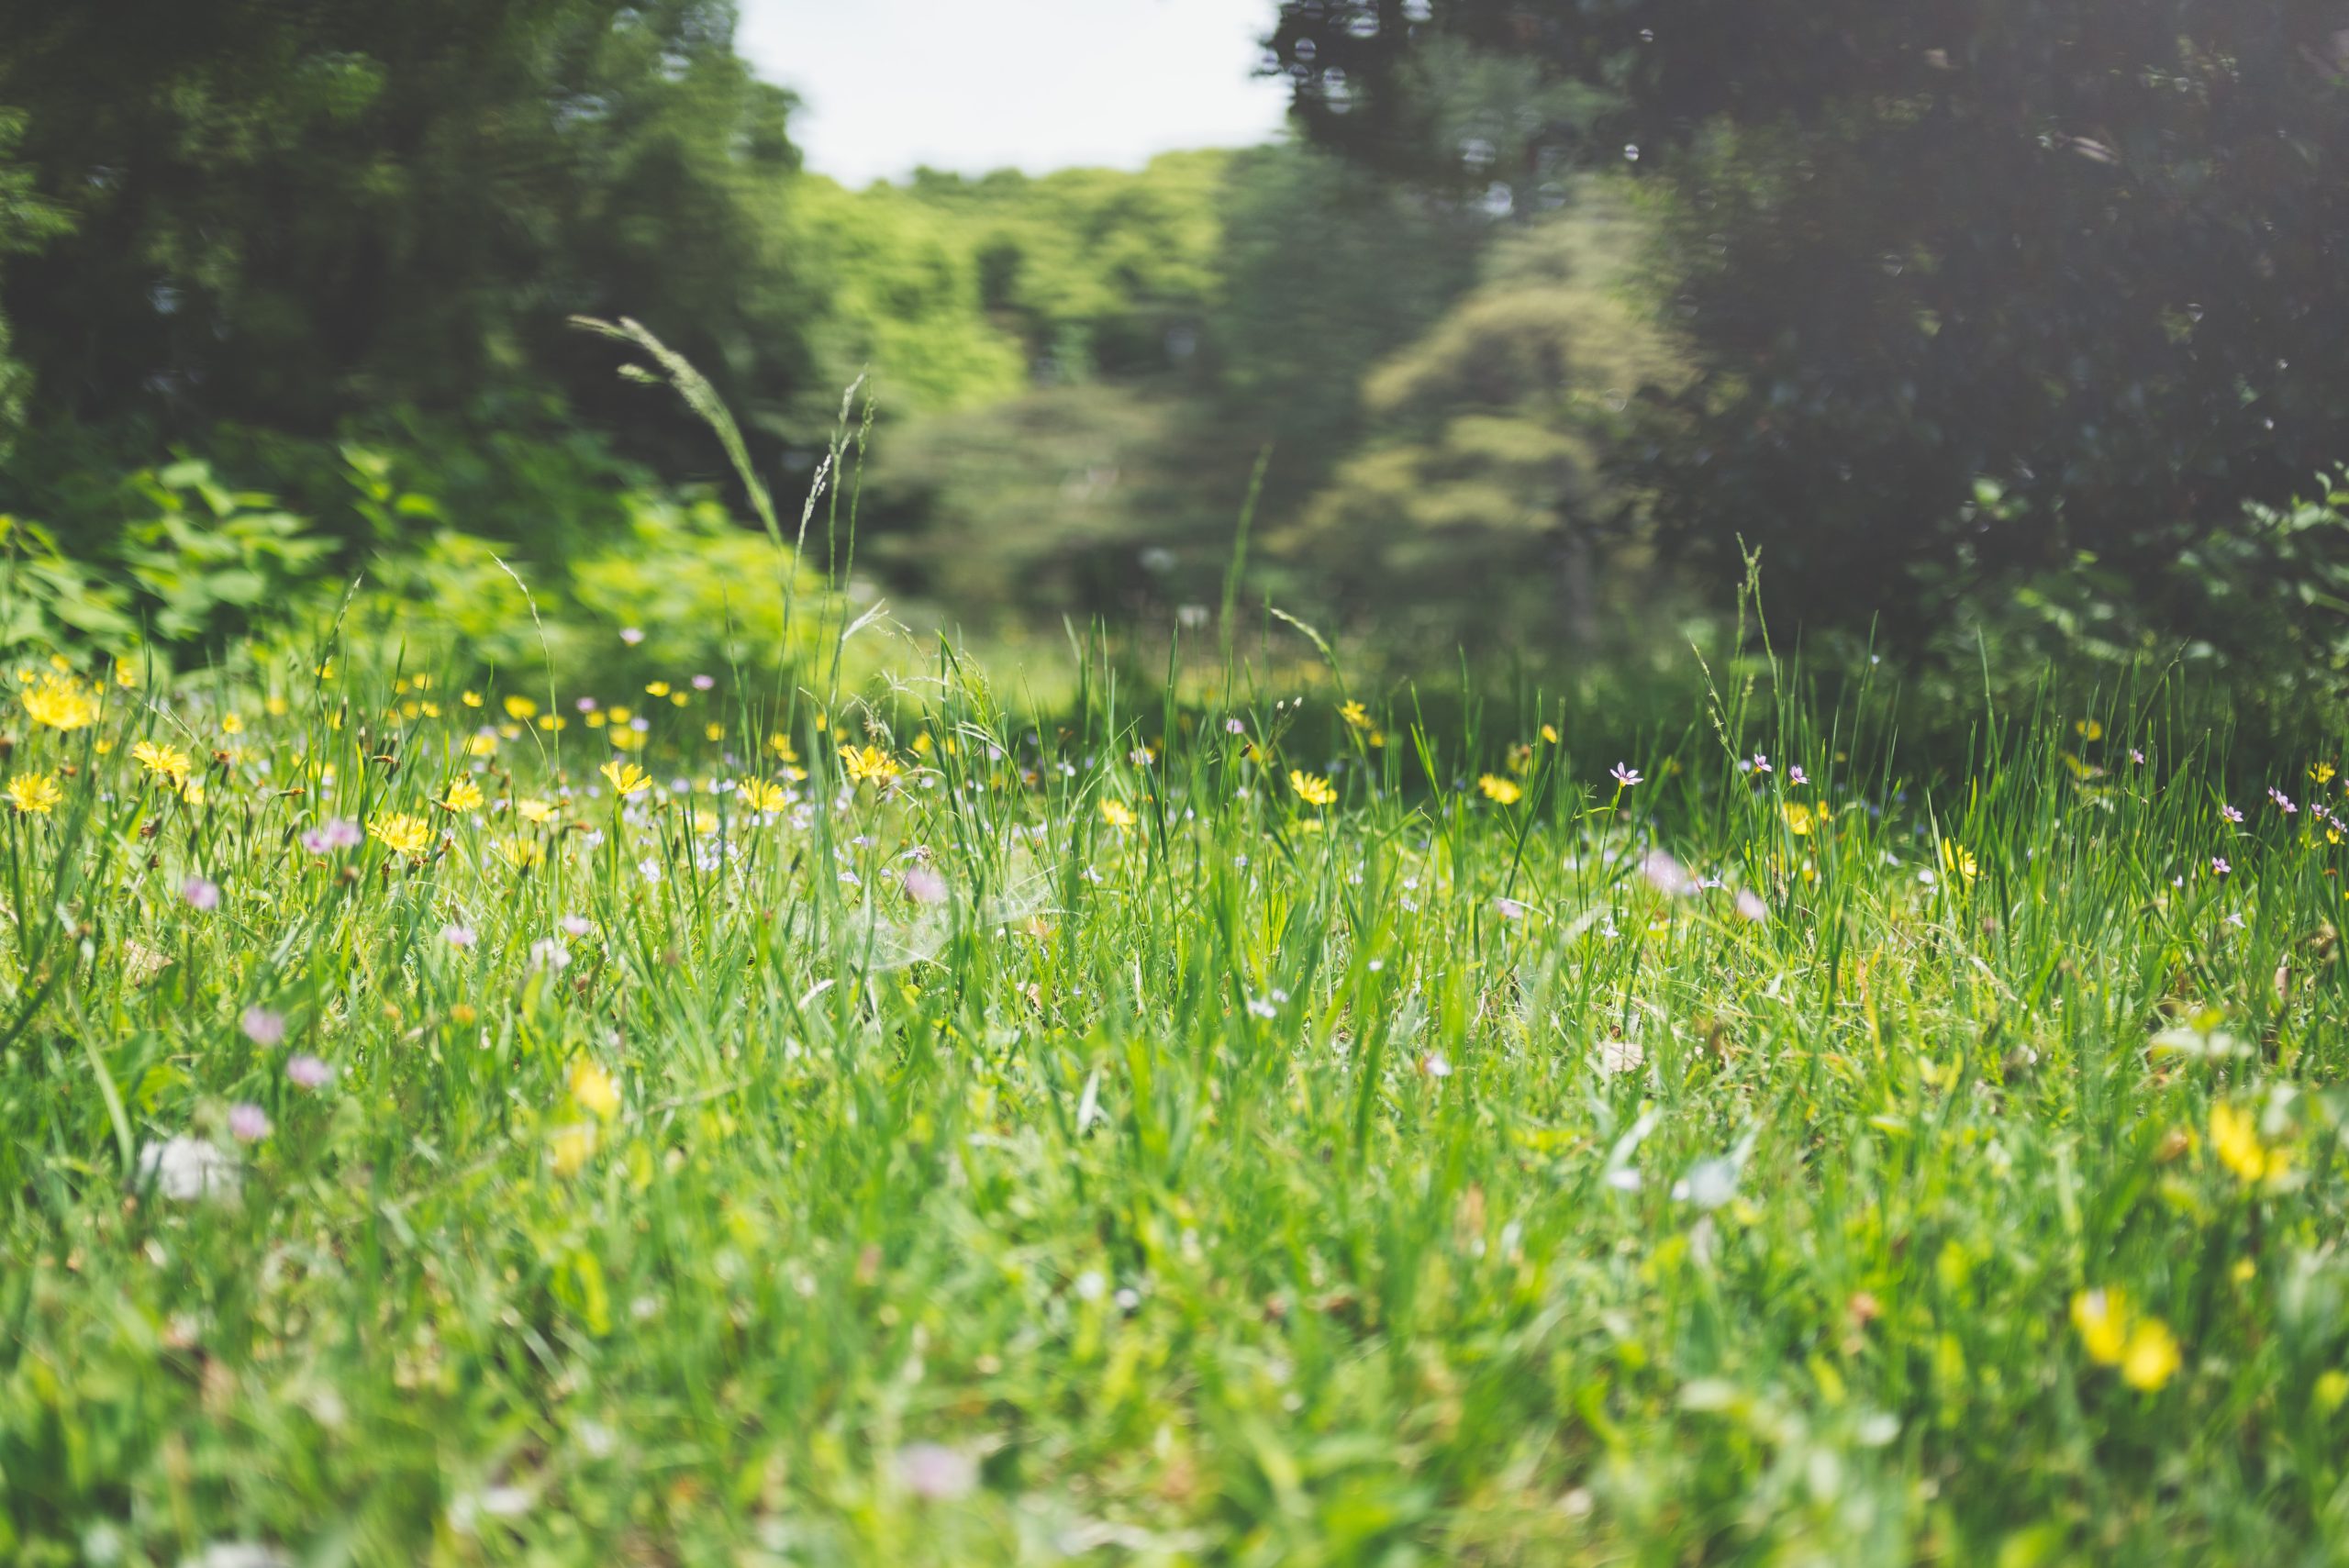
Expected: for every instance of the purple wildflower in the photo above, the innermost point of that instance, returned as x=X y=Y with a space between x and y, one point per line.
x=1624 y=777
x=309 y=1072
x=201 y=893
x=248 y=1123
x=263 y=1027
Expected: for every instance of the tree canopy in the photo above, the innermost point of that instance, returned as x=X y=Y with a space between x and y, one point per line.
x=2080 y=251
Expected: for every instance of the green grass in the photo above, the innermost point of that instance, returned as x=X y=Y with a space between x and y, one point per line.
x=1410 y=1179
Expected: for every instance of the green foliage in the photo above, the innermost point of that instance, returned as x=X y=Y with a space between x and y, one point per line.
x=195 y=564
x=1047 y=505
x=706 y=593
x=286 y=214
x=1096 y=271
x=1475 y=511
x=905 y=303
x=2079 y=249
x=2261 y=605
x=1324 y=272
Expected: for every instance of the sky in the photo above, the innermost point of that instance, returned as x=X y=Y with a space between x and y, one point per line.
x=971 y=86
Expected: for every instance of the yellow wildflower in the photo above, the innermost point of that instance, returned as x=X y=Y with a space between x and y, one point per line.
x=1799 y=817
x=2102 y=1318
x=553 y=722
x=531 y=810
x=868 y=763
x=761 y=794
x=594 y=1089
x=571 y=1148
x=779 y=744
x=2235 y=1137
x=59 y=703
x=2151 y=1357
x=656 y=688
x=34 y=795
x=461 y=796
x=520 y=708
x=628 y=740
x=232 y=723
x=2321 y=772
x=1958 y=861
x=715 y=732
x=1550 y=733
x=2089 y=730
x=471 y=699
x=626 y=778
x=1116 y=815
x=519 y=853
x=483 y=744
x=1312 y=788
x=166 y=762
x=1356 y=716
x=400 y=833
x=1501 y=791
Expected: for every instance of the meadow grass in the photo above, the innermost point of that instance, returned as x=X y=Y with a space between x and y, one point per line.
x=1257 y=1132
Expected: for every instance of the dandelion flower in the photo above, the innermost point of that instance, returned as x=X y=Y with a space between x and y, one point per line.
x=594 y=1089
x=166 y=762
x=1356 y=716
x=571 y=1148
x=463 y=795
x=765 y=795
x=1958 y=861
x=34 y=795
x=2102 y=1318
x=868 y=764
x=626 y=778
x=1311 y=788
x=1500 y=790
x=2149 y=1359
x=1116 y=814
x=2234 y=1137
x=60 y=703
x=400 y=833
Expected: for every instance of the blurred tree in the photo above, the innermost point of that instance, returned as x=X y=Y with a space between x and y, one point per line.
x=26 y=222
x=1325 y=270
x=904 y=300
x=282 y=214
x=2085 y=249
x=1094 y=270
x=1474 y=512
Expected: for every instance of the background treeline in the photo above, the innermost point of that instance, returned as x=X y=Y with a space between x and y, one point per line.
x=1981 y=324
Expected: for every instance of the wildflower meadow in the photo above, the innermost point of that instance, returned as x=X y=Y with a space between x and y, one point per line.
x=449 y=1120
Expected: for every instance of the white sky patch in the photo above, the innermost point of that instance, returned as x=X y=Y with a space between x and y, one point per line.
x=1033 y=85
